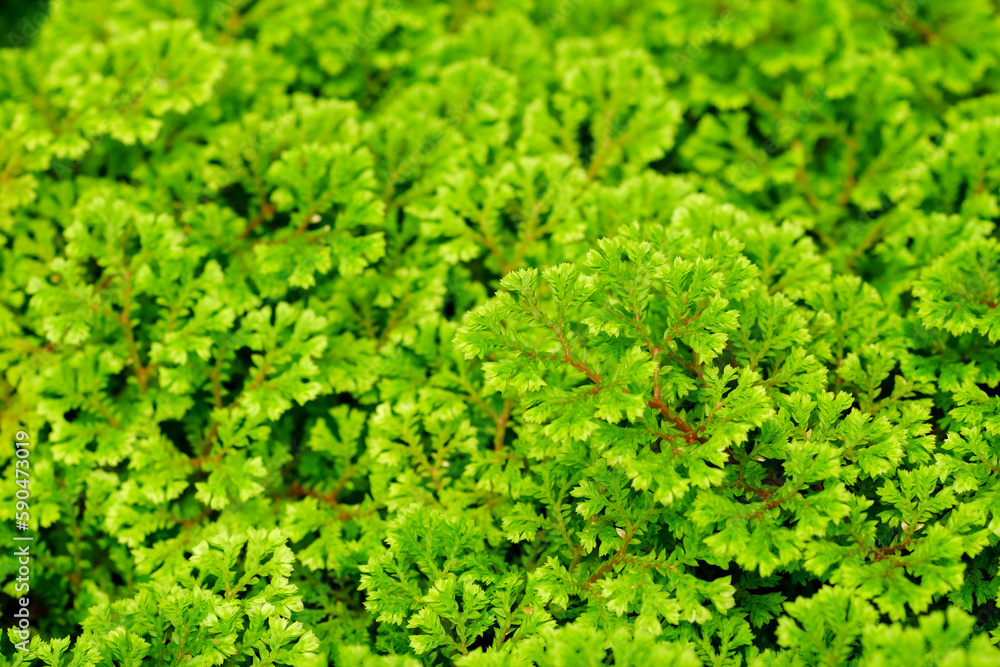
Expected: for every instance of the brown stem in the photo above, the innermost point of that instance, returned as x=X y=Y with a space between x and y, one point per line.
x=803 y=180
x=258 y=381
x=609 y=565
x=494 y=249
x=213 y=431
x=568 y=358
x=852 y=166
x=141 y=373
x=927 y=36
x=690 y=435
x=393 y=322
x=216 y=389
x=502 y=419
x=696 y=368
x=106 y=414
x=267 y=211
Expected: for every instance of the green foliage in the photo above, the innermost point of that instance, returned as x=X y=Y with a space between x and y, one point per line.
x=375 y=333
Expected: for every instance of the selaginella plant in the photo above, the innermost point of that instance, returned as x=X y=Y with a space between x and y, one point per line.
x=376 y=333
x=684 y=417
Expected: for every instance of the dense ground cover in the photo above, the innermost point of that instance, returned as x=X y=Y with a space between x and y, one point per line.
x=509 y=332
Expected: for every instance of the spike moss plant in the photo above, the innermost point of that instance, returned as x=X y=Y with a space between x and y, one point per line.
x=512 y=332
